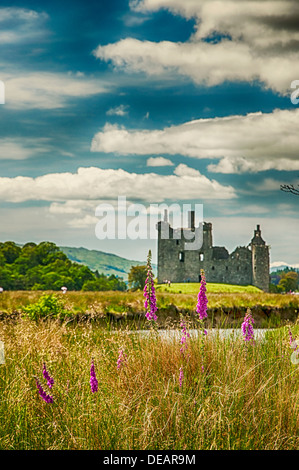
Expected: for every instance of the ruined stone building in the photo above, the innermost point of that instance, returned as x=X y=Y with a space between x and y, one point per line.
x=246 y=265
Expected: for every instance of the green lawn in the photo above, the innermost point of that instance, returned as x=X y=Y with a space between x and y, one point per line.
x=193 y=288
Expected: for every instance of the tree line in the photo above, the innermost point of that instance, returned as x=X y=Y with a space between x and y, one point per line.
x=284 y=280
x=44 y=266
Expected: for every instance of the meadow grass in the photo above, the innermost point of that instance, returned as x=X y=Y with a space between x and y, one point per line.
x=246 y=397
x=129 y=301
x=193 y=287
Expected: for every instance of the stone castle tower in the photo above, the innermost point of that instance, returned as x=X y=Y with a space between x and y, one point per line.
x=260 y=261
x=246 y=265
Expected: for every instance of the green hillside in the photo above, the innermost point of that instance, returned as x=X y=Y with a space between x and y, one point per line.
x=106 y=263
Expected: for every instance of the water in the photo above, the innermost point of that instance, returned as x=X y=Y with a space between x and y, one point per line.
x=259 y=333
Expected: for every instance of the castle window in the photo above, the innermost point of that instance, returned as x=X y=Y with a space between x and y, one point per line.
x=201 y=256
x=177 y=242
x=181 y=256
x=213 y=268
x=226 y=267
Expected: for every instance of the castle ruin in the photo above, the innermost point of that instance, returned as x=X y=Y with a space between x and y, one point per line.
x=246 y=265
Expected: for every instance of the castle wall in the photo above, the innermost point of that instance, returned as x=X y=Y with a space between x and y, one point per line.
x=244 y=266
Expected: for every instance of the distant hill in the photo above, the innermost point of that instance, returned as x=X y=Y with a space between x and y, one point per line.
x=280 y=266
x=106 y=263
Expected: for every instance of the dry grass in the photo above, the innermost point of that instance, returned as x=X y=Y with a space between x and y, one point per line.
x=245 y=399
x=133 y=301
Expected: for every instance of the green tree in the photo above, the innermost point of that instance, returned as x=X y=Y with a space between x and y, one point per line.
x=48 y=252
x=289 y=281
x=10 y=251
x=137 y=277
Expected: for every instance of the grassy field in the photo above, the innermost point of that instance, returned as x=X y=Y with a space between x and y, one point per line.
x=245 y=398
x=133 y=301
x=222 y=393
x=193 y=287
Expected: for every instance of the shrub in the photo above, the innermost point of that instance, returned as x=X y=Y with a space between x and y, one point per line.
x=48 y=306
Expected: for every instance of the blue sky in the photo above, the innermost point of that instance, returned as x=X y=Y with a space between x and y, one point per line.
x=161 y=101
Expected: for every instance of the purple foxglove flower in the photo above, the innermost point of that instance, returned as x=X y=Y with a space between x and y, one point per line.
x=247 y=327
x=50 y=380
x=202 y=301
x=93 y=380
x=150 y=302
x=122 y=359
x=47 y=398
x=181 y=377
x=184 y=337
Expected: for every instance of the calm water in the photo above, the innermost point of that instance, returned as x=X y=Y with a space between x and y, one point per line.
x=223 y=333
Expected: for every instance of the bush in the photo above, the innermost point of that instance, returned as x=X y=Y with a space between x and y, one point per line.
x=48 y=306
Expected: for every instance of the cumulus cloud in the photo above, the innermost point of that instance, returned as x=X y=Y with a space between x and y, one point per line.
x=233 y=40
x=241 y=143
x=92 y=183
x=159 y=161
x=48 y=90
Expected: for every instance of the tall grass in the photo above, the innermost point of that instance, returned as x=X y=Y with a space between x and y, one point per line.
x=246 y=398
x=133 y=301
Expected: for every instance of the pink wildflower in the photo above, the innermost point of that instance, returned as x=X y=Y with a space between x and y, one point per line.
x=181 y=376
x=184 y=337
x=50 y=380
x=202 y=300
x=122 y=359
x=150 y=303
x=247 y=327
x=47 y=398
x=93 y=380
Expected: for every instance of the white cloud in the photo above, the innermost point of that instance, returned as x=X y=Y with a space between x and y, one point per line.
x=95 y=183
x=47 y=90
x=121 y=110
x=85 y=221
x=250 y=143
x=159 y=161
x=263 y=43
x=255 y=22
x=279 y=264
x=21 y=25
x=69 y=207
x=242 y=165
x=22 y=148
x=202 y=62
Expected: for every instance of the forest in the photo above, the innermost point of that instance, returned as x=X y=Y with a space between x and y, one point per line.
x=44 y=266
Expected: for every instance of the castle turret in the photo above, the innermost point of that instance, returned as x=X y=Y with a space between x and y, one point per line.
x=260 y=261
x=207 y=236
